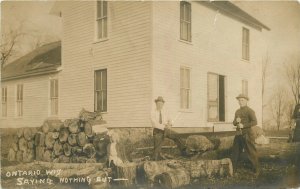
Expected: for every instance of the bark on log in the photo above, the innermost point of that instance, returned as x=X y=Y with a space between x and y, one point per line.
x=57 y=148
x=39 y=153
x=19 y=156
x=198 y=143
x=172 y=179
x=28 y=134
x=72 y=139
x=88 y=129
x=49 y=140
x=47 y=156
x=11 y=155
x=89 y=150
x=20 y=132
x=30 y=144
x=74 y=126
x=81 y=139
x=67 y=149
x=39 y=139
x=63 y=135
x=22 y=144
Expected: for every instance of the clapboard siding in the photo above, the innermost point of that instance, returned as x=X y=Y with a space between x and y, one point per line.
x=36 y=99
x=216 y=48
x=126 y=55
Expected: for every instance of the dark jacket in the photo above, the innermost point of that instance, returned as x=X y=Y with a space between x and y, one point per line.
x=247 y=115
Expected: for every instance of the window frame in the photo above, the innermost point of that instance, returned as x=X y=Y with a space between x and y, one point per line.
x=245 y=44
x=20 y=100
x=4 y=102
x=185 y=6
x=185 y=88
x=103 y=19
x=101 y=90
x=54 y=98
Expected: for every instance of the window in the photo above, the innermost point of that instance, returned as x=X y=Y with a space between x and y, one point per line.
x=101 y=19
x=185 y=90
x=101 y=90
x=185 y=21
x=245 y=87
x=20 y=100
x=54 y=97
x=245 y=44
x=4 y=102
x=216 y=97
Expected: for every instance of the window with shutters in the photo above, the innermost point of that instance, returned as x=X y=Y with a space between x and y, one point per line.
x=101 y=90
x=245 y=87
x=101 y=19
x=4 y=101
x=54 y=97
x=215 y=97
x=20 y=100
x=185 y=21
x=245 y=44
x=185 y=89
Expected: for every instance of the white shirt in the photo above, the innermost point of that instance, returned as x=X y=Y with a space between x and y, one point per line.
x=166 y=120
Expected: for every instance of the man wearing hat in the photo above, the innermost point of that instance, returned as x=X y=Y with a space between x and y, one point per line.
x=161 y=124
x=245 y=119
x=296 y=117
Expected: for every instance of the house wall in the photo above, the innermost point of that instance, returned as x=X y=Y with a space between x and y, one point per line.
x=216 y=47
x=36 y=102
x=126 y=54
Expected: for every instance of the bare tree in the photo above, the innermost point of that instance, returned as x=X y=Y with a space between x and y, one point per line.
x=292 y=73
x=265 y=64
x=278 y=106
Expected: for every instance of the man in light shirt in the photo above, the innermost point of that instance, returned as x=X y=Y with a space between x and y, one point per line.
x=161 y=124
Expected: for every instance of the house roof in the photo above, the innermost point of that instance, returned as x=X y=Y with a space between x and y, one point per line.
x=43 y=60
x=233 y=11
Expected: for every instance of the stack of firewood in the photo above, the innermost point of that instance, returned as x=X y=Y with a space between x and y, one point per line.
x=70 y=141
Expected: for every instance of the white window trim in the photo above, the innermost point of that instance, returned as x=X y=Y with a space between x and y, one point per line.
x=245 y=59
x=107 y=86
x=96 y=39
x=191 y=37
x=16 y=102
x=4 y=117
x=49 y=98
x=189 y=109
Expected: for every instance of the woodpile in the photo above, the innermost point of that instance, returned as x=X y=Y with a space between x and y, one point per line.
x=70 y=141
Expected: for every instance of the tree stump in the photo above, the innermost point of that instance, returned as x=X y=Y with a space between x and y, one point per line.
x=49 y=140
x=63 y=135
x=72 y=139
x=11 y=155
x=81 y=139
x=89 y=150
x=28 y=134
x=57 y=148
x=172 y=179
x=67 y=149
x=127 y=171
x=22 y=144
x=39 y=139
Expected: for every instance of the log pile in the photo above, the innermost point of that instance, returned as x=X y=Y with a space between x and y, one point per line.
x=71 y=141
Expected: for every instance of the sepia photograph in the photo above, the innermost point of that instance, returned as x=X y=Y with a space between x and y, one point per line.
x=142 y=94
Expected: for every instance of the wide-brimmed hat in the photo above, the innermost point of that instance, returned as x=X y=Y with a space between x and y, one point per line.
x=242 y=96
x=159 y=99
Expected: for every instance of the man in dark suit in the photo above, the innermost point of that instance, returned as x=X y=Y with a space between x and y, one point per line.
x=245 y=140
x=296 y=116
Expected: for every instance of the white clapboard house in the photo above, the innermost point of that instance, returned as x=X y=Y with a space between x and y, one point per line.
x=29 y=88
x=118 y=56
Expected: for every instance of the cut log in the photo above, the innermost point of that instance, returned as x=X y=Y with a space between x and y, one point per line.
x=28 y=134
x=55 y=135
x=63 y=135
x=86 y=115
x=49 y=140
x=74 y=126
x=57 y=148
x=15 y=146
x=77 y=150
x=53 y=125
x=45 y=128
x=88 y=129
x=39 y=153
x=19 y=156
x=198 y=143
x=39 y=139
x=28 y=156
x=67 y=149
x=67 y=122
x=22 y=144
x=128 y=172
x=47 y=156
x=72 y=139
x=172 y=179
x=11 y=155
x=64 y=159
x=20 y=132
x=89 y=150
x=30 y=144
x=81 y=139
